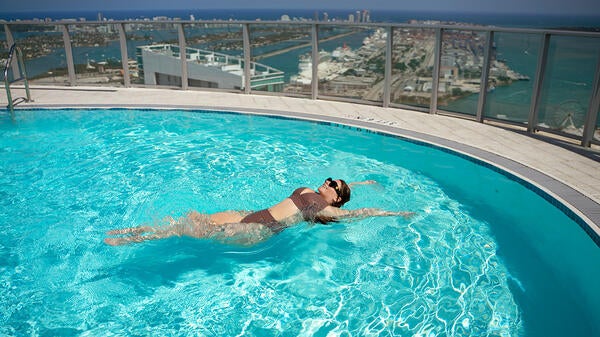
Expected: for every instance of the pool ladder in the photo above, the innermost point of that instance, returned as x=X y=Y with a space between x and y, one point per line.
x=23 y=77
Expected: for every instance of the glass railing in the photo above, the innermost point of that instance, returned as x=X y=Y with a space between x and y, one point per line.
x=413 y=56
x=351 y=62
x=219 y=46
x=156 y=63
x=96 y=54
x=568 y=83
x=461 y=65
x=596 y=129
x=285 y=48
x=538 y=79
x=140 y=34
x=4 y=50
x=512 y=69
x=43 y=52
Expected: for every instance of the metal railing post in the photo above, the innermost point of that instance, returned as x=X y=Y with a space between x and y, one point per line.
x=124 y=57
x=23 y=73
x=485 y=75
x=247 y=58
x=388 y=67
x=315 y=62
x=11 y=41
x=9 y=98
x=537 y=85
x=182 y=56
x=436 y=71
x=69 y=55
x=592 y=114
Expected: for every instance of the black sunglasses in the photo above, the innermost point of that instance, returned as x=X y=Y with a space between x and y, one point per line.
x=333 y=184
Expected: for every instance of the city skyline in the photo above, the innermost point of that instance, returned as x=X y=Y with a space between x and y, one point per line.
x=542 y=7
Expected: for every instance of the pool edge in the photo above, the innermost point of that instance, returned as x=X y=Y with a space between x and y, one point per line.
x=579 y=207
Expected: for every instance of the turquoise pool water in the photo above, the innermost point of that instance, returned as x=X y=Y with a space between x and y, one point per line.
x=484 y=255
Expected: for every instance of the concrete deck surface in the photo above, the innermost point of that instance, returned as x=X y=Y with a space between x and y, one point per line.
x=571 y=175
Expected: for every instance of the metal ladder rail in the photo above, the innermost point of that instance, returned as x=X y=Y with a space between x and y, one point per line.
x=23 y=77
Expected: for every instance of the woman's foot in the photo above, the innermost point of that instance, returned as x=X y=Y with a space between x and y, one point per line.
x=130 y=231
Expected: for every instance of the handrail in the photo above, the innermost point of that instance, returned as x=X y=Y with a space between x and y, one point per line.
x=23 y=76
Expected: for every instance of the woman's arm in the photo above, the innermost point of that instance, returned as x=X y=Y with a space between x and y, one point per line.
x=366 y=182
x=369 y=212
x=364 y=213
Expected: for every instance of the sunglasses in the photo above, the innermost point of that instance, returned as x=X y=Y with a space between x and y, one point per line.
x=333 y=184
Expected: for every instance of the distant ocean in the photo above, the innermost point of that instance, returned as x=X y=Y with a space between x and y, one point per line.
x=507 y=20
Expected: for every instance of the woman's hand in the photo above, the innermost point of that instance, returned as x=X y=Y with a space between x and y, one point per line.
x=405 y=215
x=366 y=182
x=377 y=212
x=368 y=212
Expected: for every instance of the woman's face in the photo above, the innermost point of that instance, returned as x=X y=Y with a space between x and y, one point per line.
x=329 y=190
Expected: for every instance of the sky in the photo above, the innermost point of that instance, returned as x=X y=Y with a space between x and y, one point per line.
x=560 y=7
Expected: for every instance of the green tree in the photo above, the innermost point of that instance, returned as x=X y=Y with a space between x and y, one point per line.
x=400 y=66
x=414 y=64
x=456 y=92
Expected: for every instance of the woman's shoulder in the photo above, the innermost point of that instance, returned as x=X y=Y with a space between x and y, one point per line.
x=302 y=190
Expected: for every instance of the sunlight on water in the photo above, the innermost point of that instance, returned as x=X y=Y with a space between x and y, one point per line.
x=69 y=176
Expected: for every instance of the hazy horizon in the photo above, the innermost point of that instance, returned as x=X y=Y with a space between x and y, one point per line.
x=542 y=7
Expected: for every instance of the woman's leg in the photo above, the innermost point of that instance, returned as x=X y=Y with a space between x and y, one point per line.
x=130 y=231
x=195 y=225
x=220 y=218
x=144 y=233
x=140 y=234
x=226 y=227
x=134 y=239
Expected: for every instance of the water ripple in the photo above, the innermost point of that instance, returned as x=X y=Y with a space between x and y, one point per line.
x=69 y=177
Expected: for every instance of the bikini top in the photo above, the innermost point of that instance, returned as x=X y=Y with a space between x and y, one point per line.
x=309 y=203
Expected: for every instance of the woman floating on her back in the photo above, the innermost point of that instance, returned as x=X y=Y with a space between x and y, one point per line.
x=304 y=204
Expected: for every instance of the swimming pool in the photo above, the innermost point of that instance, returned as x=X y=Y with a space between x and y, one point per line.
x=484 y=256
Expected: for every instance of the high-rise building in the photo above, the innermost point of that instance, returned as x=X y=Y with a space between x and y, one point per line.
x=366 y=16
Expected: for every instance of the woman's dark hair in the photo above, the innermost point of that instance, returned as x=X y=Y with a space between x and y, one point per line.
x=344 y=193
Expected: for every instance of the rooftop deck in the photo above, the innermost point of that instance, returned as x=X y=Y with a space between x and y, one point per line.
x=569 y=173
